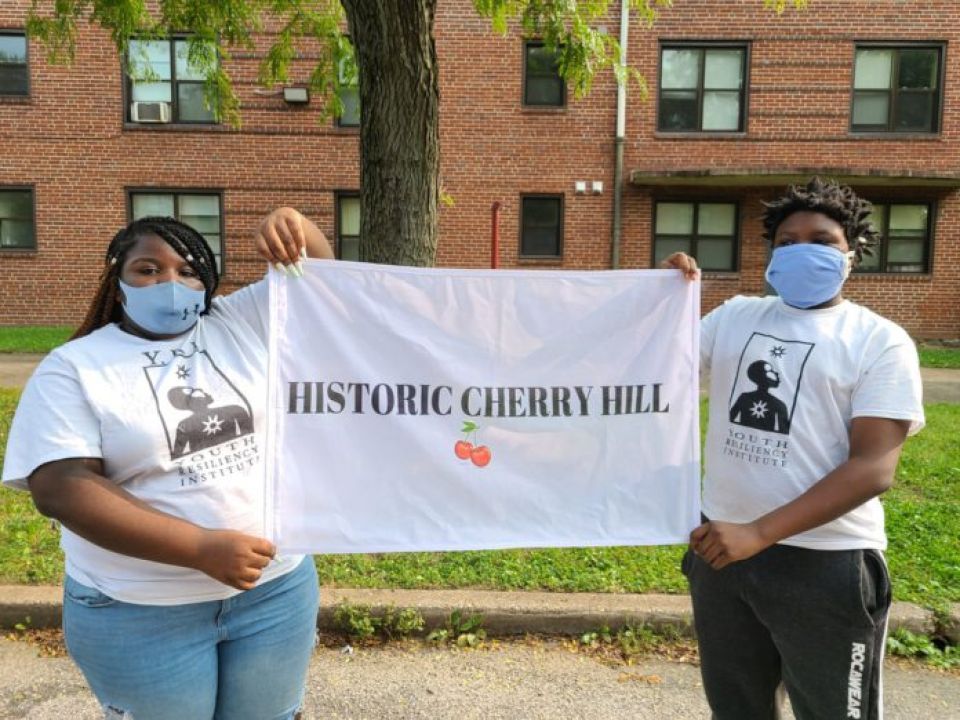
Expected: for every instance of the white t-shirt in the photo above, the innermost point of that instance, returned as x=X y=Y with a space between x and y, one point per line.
x=785 y=385
x=178 y=423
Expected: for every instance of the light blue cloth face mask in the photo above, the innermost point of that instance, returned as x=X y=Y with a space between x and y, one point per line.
x=168 y=308
x=808 y=274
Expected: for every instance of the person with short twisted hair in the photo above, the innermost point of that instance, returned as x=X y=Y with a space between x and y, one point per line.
x=144 y=437
x=811 y=399
x=837 y=202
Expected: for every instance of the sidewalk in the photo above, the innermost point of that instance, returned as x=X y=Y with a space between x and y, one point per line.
x=15 y=368
x=939 y=385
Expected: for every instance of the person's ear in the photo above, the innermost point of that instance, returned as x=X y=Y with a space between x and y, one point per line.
x=859 y=245
x=114 y=275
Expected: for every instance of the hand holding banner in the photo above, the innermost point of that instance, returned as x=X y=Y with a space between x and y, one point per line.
x=438 y=409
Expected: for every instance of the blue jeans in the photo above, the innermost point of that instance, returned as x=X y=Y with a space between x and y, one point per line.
x=241 y=658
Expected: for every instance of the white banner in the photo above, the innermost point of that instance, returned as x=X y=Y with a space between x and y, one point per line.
x=438 y=409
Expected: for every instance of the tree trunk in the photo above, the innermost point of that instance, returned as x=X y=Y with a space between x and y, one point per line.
x=399 y=129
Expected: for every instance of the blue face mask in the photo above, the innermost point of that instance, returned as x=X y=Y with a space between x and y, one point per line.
x=808 y=274
x=168 y=308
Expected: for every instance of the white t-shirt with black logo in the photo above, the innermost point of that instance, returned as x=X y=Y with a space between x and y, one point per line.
x=178 y=423
x=785 y=385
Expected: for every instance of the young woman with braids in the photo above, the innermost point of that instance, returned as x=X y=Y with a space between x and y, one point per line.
x=143 y=437
x=811 y=399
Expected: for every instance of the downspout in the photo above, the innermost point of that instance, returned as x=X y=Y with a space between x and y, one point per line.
x=618 y=142
x=495 y=235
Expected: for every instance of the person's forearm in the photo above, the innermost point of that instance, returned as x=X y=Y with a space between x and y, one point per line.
x=849 y=486
x=97 y=510
x=75 y=492
x=315 y=241
x=875 y=445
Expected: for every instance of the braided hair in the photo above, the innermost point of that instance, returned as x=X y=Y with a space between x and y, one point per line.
x=188 y=243
x=829 y=198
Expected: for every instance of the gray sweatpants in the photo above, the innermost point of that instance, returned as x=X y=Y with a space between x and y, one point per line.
x=813 y=620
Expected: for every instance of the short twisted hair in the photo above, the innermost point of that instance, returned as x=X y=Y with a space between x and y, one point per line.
x=187 y=242
x=829 y=198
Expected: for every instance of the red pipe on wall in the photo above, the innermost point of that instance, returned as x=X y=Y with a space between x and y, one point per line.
x=495 y=235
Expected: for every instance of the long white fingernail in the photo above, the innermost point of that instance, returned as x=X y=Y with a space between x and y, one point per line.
x=303 y=252
x=299 y=267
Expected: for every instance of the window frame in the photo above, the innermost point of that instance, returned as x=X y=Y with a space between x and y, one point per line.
x=16 y=32
x=560 y=225
x=174 y=83
x=694 y=235
x=33 y=218
x=337 y=197
x=882 y=269
x=177 y=192
x=703 y=46
x=338 y=120
x=893 y=92
x=527 y=44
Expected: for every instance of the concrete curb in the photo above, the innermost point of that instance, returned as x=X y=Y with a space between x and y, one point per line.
x=516 y=613
x=504 y=613
x=951 y=624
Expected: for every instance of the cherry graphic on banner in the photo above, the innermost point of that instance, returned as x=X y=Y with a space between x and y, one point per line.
x=479 y=455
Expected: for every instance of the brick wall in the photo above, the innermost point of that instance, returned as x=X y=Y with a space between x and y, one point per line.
x=799 y=99
x=68 y=141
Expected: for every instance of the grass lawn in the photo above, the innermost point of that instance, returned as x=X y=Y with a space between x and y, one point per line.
x=42 y=339
x=923 y=522
x=938 y=356
x=33 y=339
x=29 y=551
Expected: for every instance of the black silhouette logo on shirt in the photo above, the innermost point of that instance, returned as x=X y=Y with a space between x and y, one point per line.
x=207 y=425
x=767 y=384
x=760 y=409
x=199 y=407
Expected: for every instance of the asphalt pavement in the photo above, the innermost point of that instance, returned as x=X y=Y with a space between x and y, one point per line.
x=517 y=680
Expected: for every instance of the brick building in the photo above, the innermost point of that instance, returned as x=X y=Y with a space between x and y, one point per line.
x=740 y=102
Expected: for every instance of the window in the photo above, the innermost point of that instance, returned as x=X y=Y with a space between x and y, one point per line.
x=542 y=84
x=348 y=226
x=541 y=231
x=702 y=89
x=904 y=245
x=16 y=220
x=896 y=89
x=164 y=86
x=201 y=211
x=349 y=95
x=705 y=230
x=14 y=76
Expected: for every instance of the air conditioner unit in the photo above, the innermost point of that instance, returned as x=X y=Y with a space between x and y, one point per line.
x=150 y=112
